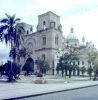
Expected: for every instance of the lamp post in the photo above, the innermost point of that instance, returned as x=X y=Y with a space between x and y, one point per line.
x=52 y=67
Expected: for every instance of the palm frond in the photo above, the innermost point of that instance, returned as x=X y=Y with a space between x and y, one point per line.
x=3 y=27
x=8 y=16
x=5 y=20
x=19 y=29
x=8 y=29
x=11 y=21
x=15 y=38
x=6 y=38
x=11 y=30
x=1 y=37
x=13 y=16
x=17 y=20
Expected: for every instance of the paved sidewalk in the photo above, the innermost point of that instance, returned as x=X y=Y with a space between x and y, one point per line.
x=16 y=90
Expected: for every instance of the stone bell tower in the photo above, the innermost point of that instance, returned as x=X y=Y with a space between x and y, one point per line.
x=48 y=20
x=50 y=31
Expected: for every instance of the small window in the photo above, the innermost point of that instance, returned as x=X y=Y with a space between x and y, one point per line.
x=44 y=25
x=75 y=44
x=27 y=31
x=31 y=29
x=52 y=24
x=56 y=40
x=44 y=40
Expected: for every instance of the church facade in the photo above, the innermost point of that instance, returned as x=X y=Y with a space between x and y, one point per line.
x=48 y=42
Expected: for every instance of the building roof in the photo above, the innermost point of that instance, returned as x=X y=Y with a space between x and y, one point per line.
x=72 y=35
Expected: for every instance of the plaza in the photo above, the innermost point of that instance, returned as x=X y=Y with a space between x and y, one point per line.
x=26 y=87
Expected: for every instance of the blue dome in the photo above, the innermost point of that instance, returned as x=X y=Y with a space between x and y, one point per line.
x=72 y=36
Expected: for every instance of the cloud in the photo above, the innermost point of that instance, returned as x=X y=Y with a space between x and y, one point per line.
x=28 y=10
x=81 y=14
x=84 y=24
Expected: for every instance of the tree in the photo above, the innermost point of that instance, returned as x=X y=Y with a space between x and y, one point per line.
x=10 y=73
x=95 y=68
x=28 y=66
x=92 y=55
x=8 y=30
x=78 y=70
x=58 y=68
x=42 y=65
x=90 y=70
x=74 y=70
x=60 y=65
x=12 y=53
x=83 y=70
x=22 y=52
x=67 y=61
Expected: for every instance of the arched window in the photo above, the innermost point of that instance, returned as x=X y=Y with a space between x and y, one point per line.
x=44 y=40
x=44 y=25
x=27 y=31
x=30 y=47
x=31 y=29
x=56 y=39
x=52 y=24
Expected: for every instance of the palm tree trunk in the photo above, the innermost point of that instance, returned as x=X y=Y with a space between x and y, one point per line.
x=70 y=71
x=62 y=73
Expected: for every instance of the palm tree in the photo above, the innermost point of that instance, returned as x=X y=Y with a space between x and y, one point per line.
x=22 y=52
x=8 y=32
x=12 y=53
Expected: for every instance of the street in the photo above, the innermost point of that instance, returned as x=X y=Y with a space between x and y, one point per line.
x=90 y=93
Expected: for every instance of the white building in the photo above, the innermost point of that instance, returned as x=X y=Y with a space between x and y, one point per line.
x=82 y=48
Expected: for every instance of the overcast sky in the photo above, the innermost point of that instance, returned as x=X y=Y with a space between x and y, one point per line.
x=81 y=14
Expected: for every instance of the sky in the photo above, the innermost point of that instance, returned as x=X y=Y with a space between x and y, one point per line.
x=82 y=15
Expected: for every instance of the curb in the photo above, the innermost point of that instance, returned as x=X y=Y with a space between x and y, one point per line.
x=33 y=95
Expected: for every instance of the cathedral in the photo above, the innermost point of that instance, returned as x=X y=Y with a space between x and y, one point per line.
x=48 y=42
